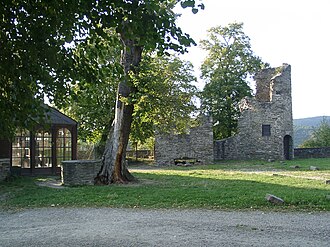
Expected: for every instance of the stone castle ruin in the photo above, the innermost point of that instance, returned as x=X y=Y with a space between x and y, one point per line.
x=265 y=127
x=196 y=145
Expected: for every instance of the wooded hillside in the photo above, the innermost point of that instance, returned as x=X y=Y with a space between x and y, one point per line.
x=304 y=127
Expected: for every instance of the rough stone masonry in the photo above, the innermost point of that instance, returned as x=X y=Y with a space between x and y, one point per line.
x=265 y=127
x=4 y=169
x=198 y=144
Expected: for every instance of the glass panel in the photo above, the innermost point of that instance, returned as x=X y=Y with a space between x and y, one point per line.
x=63 y=146
x=68 y=153
x=43 y=158
x=16 y=162
x=60 y=152
x=21 y=149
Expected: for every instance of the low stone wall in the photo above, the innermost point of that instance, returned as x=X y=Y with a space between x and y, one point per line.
x=303 y=153
x=198 y=144
x=4 y=169
x=79 y=172
x=139 y=153
x=226 y=149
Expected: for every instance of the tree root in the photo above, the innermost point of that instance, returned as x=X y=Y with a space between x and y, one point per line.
x=101 y=180
x=126 y=178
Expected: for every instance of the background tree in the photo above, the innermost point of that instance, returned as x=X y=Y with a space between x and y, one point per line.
x=165 y=100
x=320 y=136
x=226 y=70
x=91 y=102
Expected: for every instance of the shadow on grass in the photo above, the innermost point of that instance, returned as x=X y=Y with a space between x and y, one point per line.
x=173 y=191
x=323 y=164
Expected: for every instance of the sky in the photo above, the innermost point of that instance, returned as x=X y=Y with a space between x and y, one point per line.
x=296 y=32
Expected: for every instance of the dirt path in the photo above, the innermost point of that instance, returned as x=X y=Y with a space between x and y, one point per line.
x=137 y=227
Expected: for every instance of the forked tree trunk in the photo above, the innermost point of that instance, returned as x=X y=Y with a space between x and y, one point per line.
x=113 y=169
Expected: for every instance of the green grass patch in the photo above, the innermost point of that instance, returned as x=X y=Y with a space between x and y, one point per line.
x=227 y=185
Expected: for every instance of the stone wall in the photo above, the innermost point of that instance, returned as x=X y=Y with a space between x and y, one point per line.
x=226 y=149
x=303 y=153
x=79 y=172
x=265 y=127
x=142 y=153
x=4 y=169
x=198 y=144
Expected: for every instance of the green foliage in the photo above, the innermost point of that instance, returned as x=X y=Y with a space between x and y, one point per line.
x=37 y=40
x=33 y=59
x=92 y=99
x=164 y=100
x=191 y=3
x=164 y=96
x=226 y=70
x=304 y=127
x=320 y=136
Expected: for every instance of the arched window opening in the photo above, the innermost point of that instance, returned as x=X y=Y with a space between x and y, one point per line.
x=63 y=146
x=21 y=149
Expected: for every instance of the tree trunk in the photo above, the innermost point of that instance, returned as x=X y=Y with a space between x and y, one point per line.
x=114 y=169
x=100 y=147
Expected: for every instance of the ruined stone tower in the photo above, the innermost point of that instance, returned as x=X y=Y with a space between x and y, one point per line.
x=265 y=127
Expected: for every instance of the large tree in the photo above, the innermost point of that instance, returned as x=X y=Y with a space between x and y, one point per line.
x=145 y=25
x=36 y=42
x=226 y=70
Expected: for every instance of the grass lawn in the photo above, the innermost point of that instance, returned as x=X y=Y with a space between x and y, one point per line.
x=228 y=185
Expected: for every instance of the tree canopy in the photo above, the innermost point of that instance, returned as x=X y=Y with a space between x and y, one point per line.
x=33 y=60
x=91 y=101
x=38 y=37
x=226 y=70
x=164 y=98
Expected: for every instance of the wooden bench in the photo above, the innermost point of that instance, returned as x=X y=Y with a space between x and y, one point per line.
x=185 y=161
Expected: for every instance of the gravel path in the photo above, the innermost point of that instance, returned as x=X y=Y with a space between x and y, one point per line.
x=138 y=227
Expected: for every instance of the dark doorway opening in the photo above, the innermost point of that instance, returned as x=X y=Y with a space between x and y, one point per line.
x=288 y=150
